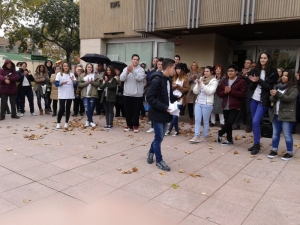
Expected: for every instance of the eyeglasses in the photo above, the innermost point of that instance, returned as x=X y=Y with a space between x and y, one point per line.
x=230 y=71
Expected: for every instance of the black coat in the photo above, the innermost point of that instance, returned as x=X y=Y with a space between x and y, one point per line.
x=266 y=86
x=30 y=79
x=158 y=98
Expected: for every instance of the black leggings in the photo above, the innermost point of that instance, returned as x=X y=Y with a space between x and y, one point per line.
x=64 y=105
x=191 y=110
x=229 y=116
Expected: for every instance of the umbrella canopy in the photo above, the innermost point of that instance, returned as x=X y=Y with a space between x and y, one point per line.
x=118 y=65
x=95 y=58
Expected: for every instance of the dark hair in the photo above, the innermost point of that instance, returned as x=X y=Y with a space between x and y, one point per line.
x=167 y=62
x=160 y=59
x=210 y=68
x=269 y=65
x=233 y=66
x=19 y=63
x=143 y=64
x=219 y=66
x=112 y=72
x=135 y=55
x=177 y=56
x=23 y=63
x=86 y=67
x=248 y=59
x=292 y=81
x=57 y=66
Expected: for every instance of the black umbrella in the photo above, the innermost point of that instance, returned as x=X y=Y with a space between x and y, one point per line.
x=95 y=58
x=118 y=65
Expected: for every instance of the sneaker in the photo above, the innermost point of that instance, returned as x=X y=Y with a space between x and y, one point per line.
x=272 y=154
x=151 y=130
x=150 y=157
x=33 y=114
x=227 y=143
x=175 y=134
x=219 y=138
x=87 y=123
x=74 y=115
x=163 y=166
x=287 y=156
x=22 y=114
x=58 y=126
x=167 y=133
x=255 y=149
x=110 y=126
x=136 y=129
x=126 y=129
x=106 y=126
x=66 y=125
x=92 y=124
x=195 y=140
x=15 y=117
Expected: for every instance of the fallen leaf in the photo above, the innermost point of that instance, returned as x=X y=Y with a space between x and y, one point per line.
x=203 y=193
x=209 y=147
x=102 y=142
x=175 y=186
x=181 y=171
x=87 y=156
x=187 y=152
x=297 y=145
x=8 y=149
x=175 y=147
x=47 y=144
x=26 y=200
x=259 y=158
x=95 y=147
x=247 y=180
x=134 y=169
x=235 y=152
x=162 y=173
x=119 y=169
x=211 y=152
x=122 y=154
x=127 y=172
x=195 y=175
x=59 y=144
x=37 y=144
x=237 y=137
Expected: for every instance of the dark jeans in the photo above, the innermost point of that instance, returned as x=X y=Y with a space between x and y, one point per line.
x=143 y=111
x=244 y=114
x=12 y=100
x=79 y=107
x=29 y=94
x=99 y=106
x=89 y=104
x=159 y=133
x=119 y=110
x=109 y=112
x=229 y=116
x=49 y=99
x=54 y=105
x=191 y=110
x=174 y=122
x=18 y=102
x=39 y=102
x=64 y=105
x=132 y=107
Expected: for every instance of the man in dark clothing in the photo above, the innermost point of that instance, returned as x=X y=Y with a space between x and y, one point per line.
x=8 y=88
x=159 y=94
x=99 y=106
x=152 y=69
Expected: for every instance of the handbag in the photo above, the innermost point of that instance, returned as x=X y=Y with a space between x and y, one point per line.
x=266 y=128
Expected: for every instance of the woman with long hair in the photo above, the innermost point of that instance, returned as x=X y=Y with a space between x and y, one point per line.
x=109 y=96
x=66 y=82
x=262 y=81
x=217 y=107
x=54 y=90
x=119 y=104
x=205 y=89
x=89 y=83
x=42 y=87
x=49 y=66
x=78 y=105
x=180 y=88
x=284 y=98
x=193 y=75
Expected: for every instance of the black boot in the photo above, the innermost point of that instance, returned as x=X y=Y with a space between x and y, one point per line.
x=255 y=149
x=54 y=113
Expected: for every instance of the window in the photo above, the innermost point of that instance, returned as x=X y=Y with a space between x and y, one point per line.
x=165 y=49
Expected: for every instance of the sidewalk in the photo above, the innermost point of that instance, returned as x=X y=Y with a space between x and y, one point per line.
x=216 y=184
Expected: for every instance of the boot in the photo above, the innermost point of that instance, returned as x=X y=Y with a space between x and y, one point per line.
x=41 y=112
x=192 y=121
x=54 y=113
x=47 y=112
x=254 y=149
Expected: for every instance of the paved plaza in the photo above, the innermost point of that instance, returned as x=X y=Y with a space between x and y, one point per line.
x=208 y=183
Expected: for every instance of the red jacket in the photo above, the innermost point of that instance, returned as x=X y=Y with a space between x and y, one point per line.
x=236 y=95
x=13 y=76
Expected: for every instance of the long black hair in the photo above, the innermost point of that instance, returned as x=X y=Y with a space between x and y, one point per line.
x=291 y=79
x=269 y=65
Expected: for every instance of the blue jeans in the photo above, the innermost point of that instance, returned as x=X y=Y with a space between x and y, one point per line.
x=286 y=128
x=174 y=122
x=159 y=133
x=26 y=92
x=202 y=111
x=39 y=102
x=89 y=104
x=257 y=113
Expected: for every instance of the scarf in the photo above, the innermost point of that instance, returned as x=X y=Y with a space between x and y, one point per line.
x=206 y=80
x=281 y=86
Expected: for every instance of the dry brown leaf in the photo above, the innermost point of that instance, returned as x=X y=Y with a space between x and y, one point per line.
x=209 y=147
x=235 y=152
x=175 y=148
x=134 y=169
x=102 y=142
x=47 y=144
x=259 y=158
x=162 y=173
x=122 y=154
x=187 y=152
x=211 y=152
x=237 y=137
x=297 y=145
x=247 y=180
x=8 y=149
x=95 y=147
x=127 y=172
x=181 y=171
x=87 y=156
x=119 y=169
x=59 y=144
x=26 y=200
x=37 y=144
x=195 y=175
x=203 y=193
x=214 y=140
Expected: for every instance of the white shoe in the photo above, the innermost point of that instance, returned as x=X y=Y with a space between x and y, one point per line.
x=195 y=140
x=22 y=114
x=151 y=130
x=92 y=124
x=66 y=125
x=87 y=123
x=33 y=114
x=58 y=126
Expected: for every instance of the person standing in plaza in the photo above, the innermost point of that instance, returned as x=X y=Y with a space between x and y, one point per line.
x=25 y=89
x=49 y=66
x=263 y=79
x=120 y=103
x=152 y=69
x=8 y=88
x=159 y=94
x=133 y=77
x=284 y=99
x=99 y=106
x=232 y=90
x=65 y=81
x=54 y=90
x=205 y=89
x=78 y=106
x=88 y=82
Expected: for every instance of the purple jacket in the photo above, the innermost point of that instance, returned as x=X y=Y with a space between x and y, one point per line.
x=11 y=88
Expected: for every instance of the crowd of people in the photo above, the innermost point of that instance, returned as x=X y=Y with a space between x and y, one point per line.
x=234 y=97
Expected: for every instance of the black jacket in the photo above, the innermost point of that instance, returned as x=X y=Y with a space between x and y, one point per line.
x=158 y=98
x=266 y=86
x=30 y=79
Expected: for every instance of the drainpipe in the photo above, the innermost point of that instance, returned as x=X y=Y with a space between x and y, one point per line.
x=147 y=15
x=248 y=11
x=253 y=11
x=197 y=16
x=242 y=12
x=189 y=14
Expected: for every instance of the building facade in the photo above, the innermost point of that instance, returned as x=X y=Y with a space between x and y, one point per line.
x=207 y=31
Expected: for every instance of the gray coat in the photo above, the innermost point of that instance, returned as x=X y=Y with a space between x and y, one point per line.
x=287 y=106
x=217 y=107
